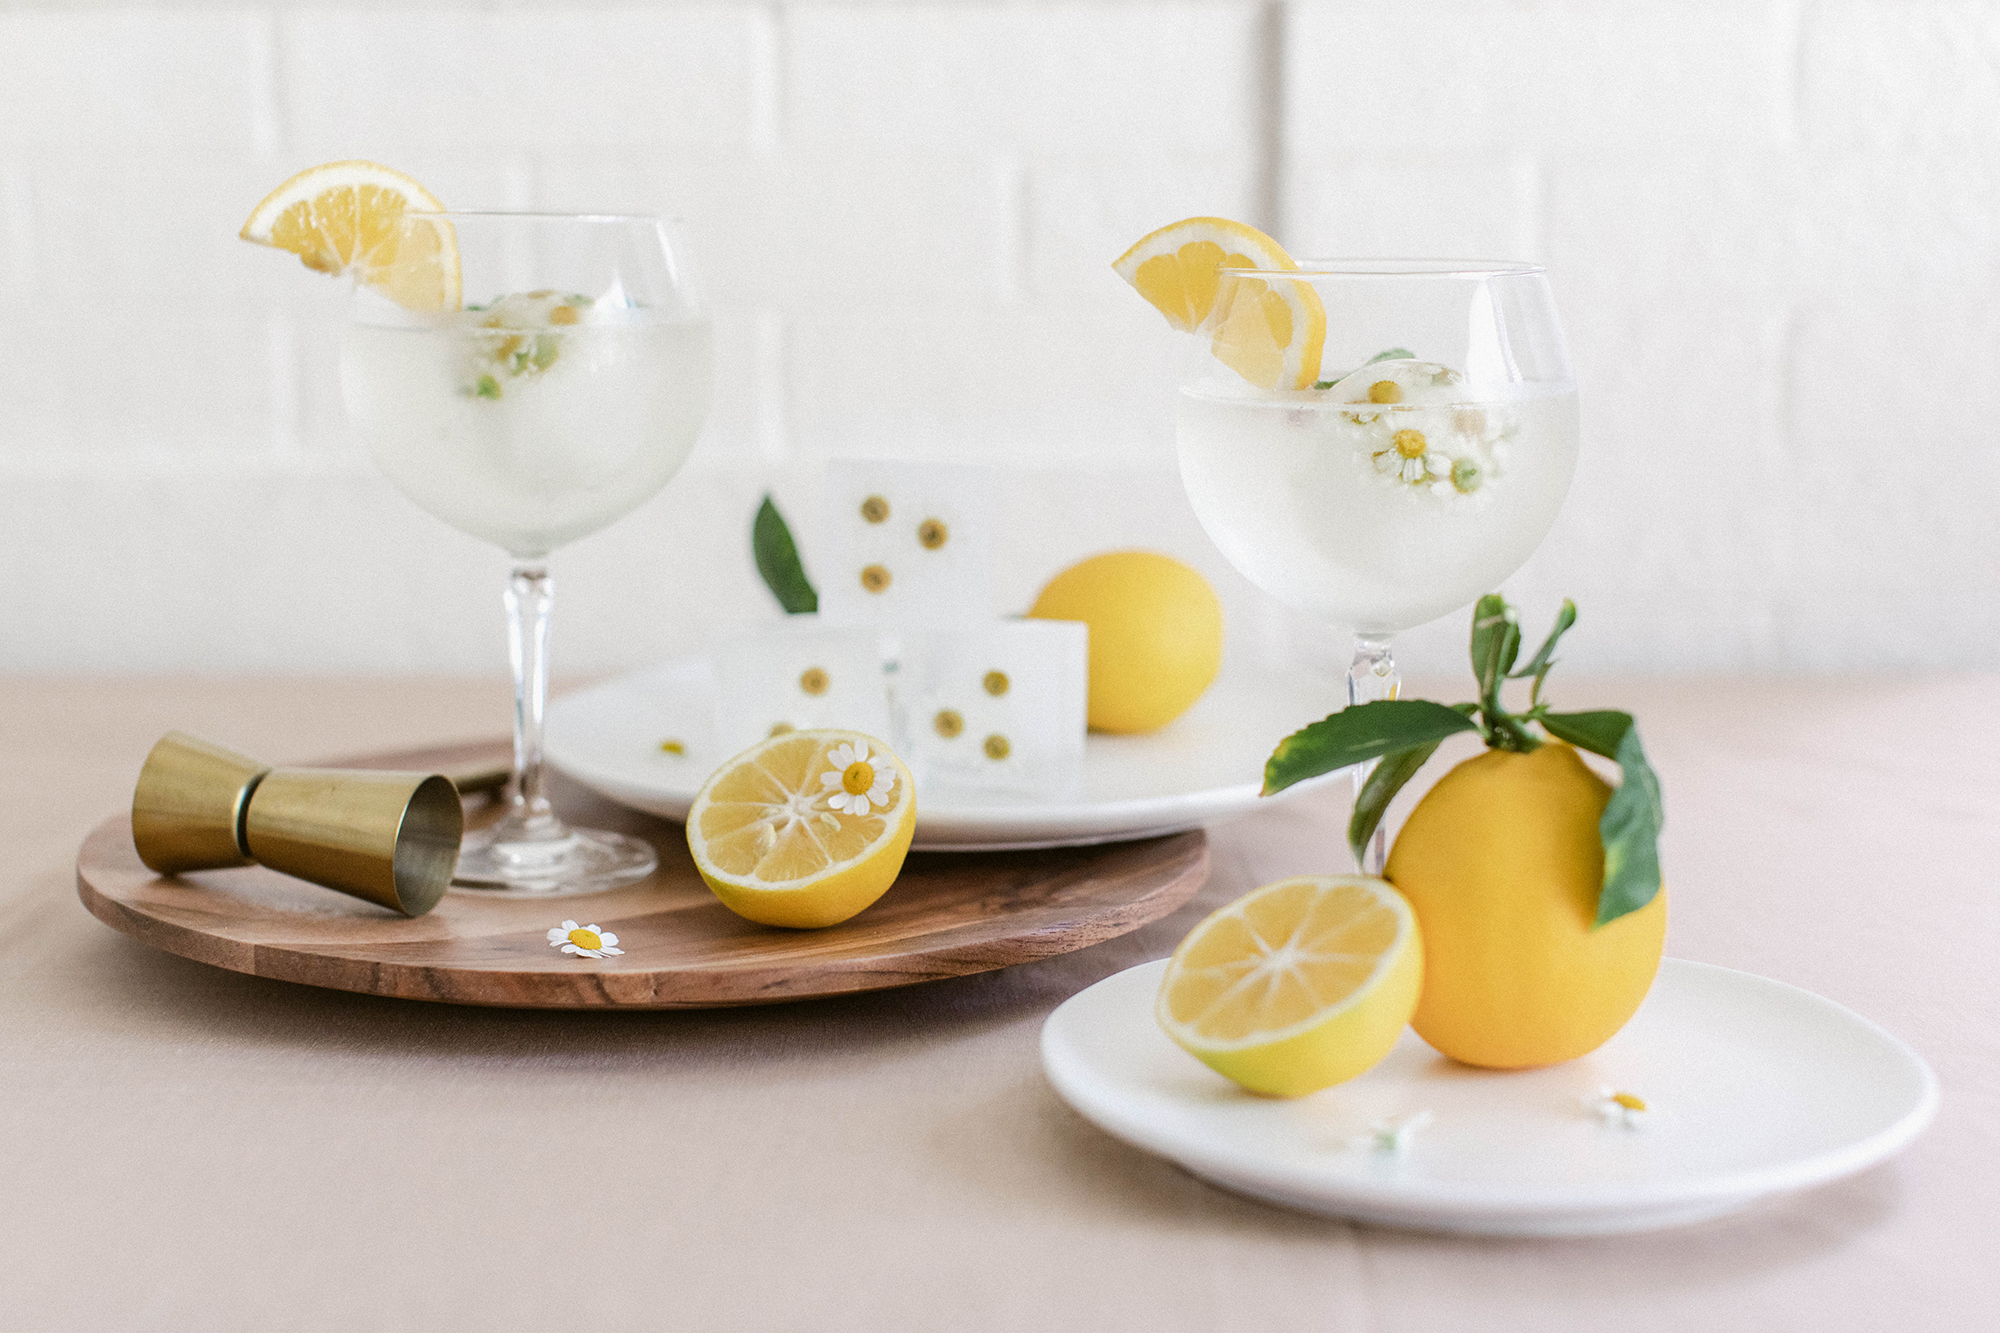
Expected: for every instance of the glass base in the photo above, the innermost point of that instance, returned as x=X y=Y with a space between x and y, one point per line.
x=553 y=863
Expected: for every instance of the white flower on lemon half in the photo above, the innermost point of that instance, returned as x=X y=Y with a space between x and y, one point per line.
x=853 y=782
x=782 y=838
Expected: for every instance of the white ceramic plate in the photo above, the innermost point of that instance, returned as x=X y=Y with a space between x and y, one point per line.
x=1753 y=1087
x=1207 y=766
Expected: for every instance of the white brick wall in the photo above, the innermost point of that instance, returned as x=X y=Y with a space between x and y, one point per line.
x=1773 y=226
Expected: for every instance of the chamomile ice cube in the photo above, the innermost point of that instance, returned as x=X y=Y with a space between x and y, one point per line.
x=800 y=674
x=998 y=707
x=904 y=543
x=1413 y=422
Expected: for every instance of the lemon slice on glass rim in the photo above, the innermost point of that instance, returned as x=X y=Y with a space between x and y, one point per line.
x=1298 y=985
x=345 y=217
x=1270 y=332
x=804 y=829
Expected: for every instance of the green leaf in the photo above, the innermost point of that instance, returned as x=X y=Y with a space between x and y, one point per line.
x=1598 y=732
x=1397 y=767
x=1631 y=823
x=778 y=561
x=1545 y=656
x=1361 y=732
x=1496 y=642
x=1393 y=354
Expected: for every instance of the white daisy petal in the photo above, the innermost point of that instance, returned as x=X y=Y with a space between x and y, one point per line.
x=556 y=936
x=607 y=937
x=609 y=949
x=829 y=780
x=1438 y=465
x=569 y=925
x=571 y=948
x=858 y=804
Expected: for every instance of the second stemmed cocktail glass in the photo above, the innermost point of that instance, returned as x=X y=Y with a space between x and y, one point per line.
x=1423 y=469
x=565 y=394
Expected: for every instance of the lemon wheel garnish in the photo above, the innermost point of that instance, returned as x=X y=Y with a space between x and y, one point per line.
x=780 y=845
x=1269 y=332
x=1298 y=985
x=345 y=217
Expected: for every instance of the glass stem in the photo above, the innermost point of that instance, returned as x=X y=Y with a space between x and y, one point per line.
x=1371 y=676
x=530 y=598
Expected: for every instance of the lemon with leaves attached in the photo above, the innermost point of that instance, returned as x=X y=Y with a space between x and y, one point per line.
x=805 y=829
x=1503 y=862
x=1155 y=635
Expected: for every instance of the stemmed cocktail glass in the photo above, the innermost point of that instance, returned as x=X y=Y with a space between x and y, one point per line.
x=1425 y=466
x=564 y=391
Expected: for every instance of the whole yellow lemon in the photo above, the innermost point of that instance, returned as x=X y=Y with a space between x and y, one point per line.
x=1155 y=635
x=1502 y=862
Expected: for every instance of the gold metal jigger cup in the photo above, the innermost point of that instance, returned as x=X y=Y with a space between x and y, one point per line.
x=391 y=838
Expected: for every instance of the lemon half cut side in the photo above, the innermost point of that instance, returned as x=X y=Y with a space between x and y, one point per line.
x=347 y=217
x=1298 y=985
x=1272 y=333
x=780 y=845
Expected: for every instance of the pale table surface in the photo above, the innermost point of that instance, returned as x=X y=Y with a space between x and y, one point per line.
x=185 y=1148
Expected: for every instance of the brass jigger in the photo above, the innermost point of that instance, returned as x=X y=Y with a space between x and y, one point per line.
x=391 y=838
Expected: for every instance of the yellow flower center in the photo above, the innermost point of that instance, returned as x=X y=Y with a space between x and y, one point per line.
x=857 y=779
x=996 y=683
x=1385 y=391
x=586 y=939
x=1628 y=1101
x=1411 y=443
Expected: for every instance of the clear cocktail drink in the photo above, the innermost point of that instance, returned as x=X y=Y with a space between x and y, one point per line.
x=1381 y=517
x=533 y=459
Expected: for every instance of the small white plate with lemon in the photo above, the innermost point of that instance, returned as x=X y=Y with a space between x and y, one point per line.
x=1206 y=766
x=1751 y=1088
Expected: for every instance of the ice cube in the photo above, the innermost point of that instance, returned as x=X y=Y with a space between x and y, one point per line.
x=904 y=543
x=798 y=674
x=1401 y=380
x=998 y=707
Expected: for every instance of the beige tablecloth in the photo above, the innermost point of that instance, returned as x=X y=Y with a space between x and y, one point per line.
x=186 y=1148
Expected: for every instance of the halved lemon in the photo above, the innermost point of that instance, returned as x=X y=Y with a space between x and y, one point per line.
x=804 y=829
x=1271 y=333
x=1298 y=985
x=346 y=217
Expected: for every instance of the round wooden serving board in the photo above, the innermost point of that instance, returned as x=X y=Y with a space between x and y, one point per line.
x=949 y=914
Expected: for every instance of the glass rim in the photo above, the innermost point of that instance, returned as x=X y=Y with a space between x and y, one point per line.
x=1396 y=268
x=538 y=215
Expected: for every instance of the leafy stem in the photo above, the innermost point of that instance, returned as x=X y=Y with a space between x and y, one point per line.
x=1404 y=733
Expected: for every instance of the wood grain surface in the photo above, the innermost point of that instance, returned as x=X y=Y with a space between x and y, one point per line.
x=950 y=914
